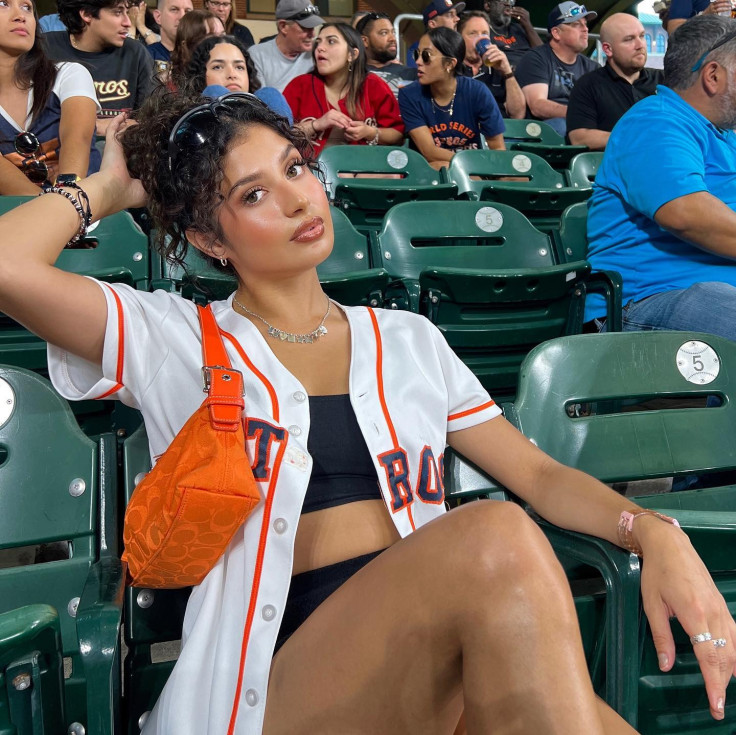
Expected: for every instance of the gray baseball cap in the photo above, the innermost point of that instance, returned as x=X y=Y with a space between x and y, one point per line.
x=301 y=11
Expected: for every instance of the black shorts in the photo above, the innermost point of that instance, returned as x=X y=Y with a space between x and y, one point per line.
x=309 y=590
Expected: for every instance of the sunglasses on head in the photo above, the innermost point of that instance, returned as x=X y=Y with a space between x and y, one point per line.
x=367 y=18
x=575 y=12
x=304 y=14
x=426 y=55
x=194 y=129
x=728 y=37
x=27 y=145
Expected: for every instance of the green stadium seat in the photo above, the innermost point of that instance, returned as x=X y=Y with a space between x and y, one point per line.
x=542 y=194
x=153 y=618
x=486 y=277
x=390 y=175
x=584 y=168
x=58 y=507
x=535 y=136
x=642 y=405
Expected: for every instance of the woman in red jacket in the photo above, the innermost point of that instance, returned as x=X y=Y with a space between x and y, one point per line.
x=340 y=102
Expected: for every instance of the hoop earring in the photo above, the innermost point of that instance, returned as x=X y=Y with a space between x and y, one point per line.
x=223 y=262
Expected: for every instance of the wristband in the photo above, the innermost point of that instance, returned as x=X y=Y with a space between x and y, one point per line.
x=375 y=141
x=148 y=33
x=84 y=212
x=626 y=527
x=509 y=75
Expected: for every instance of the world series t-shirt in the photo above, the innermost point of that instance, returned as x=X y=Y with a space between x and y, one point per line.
x=456 y=126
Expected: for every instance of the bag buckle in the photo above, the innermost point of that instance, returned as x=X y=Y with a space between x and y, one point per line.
x=207 y=375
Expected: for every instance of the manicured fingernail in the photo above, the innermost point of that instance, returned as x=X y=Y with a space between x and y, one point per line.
x=719 y=705
x=663 y=660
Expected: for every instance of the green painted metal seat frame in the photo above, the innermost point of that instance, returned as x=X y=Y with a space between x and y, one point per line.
x=486 y=277
x=152 y=619
x=346 y=275
x=59 y=492
x=366 y=200
x=480 y=174
x=617 y=406
x=535 y=136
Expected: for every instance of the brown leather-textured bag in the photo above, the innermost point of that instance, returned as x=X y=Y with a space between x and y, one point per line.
x=184 y=513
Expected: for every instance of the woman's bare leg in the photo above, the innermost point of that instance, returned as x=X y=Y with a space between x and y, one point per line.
x=471 y=610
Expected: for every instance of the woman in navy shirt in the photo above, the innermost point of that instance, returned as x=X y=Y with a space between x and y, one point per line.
x=444 y=112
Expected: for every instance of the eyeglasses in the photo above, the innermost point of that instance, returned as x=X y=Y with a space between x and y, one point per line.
x=575 y=12
x=728 y=37
x=195 y=128
x=304 y=14
x=426 y=55
x=367 y=18
x=27 y=145
x=509 y=3
x=214 y=4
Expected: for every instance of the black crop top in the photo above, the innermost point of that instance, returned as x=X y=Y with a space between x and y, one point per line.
x=342 y=469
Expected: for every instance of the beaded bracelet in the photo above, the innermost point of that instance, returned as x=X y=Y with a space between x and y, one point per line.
x=376 y=140
x=85 y=217
x=626 y=527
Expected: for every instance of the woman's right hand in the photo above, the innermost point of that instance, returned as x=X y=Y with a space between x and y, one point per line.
x=332 y=119
x=122 y=191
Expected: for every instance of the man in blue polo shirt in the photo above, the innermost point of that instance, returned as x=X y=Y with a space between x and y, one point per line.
x=663 y=210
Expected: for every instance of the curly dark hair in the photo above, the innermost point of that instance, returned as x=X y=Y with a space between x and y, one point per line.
x=197 y=69
x=189 y=197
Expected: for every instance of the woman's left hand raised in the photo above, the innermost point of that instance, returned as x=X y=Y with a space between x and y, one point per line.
x=676 y=583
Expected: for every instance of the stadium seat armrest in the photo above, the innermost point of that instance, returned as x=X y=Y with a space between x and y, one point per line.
x=621 y=573
x=610 y=285
x=99 y=621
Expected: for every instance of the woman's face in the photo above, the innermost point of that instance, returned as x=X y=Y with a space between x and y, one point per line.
x=275 y=215
x=331 y=51
x=226 y=66
x=431 y=64
x=17 y=26
x=220 y=8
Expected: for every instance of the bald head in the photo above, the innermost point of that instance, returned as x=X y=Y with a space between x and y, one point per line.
x=624 y=43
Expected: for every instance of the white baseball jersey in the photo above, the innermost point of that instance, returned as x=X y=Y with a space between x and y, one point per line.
x=407 y=388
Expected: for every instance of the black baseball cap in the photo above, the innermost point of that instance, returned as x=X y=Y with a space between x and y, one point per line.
x=440 y=7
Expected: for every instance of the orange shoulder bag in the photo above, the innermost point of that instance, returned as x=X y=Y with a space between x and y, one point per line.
x=184 y=513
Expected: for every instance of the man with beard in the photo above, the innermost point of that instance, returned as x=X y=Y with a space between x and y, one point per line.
x=548 y=73
x=379 y=38
x=511 y=29
x=663 y=210
x=601 y=97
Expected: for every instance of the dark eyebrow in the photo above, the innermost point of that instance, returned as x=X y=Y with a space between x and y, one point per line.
x=258 y=174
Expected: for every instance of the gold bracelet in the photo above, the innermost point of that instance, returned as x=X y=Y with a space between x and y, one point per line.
x=626 y=527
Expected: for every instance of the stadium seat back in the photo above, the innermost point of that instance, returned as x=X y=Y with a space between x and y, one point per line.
x=366 y=181
x=584 y=168
x=486 y=277
x=535 y=136
x=55 y=529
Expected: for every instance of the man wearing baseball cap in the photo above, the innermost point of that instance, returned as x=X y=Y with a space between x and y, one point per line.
x=289 y=54
x=437 y=13
x=548 y=73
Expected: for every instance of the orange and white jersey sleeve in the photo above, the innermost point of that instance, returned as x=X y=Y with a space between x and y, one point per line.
x=408 y=390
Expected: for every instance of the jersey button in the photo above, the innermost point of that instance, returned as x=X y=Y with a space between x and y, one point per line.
x=280 y=525
x=294 y=430
x=268 y=612
x=299 y=396
x=251 y=697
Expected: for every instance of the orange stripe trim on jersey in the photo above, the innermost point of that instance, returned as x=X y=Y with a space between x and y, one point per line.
x=256 y=584
x=382 y=397
x=454 y=416
x=244 y=357
x=121 y=347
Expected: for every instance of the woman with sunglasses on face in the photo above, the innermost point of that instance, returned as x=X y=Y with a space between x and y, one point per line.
x=338 y=607
x=444 y=111
x=340 y=102
x=47 y=110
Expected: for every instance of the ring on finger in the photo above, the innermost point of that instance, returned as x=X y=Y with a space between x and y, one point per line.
x=701 y=638
x=719 y=642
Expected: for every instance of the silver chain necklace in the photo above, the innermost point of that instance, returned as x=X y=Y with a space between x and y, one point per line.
x=444 y=108
x=276 y=333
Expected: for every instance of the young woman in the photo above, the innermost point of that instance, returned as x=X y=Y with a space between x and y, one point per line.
x=194 y=27
x=385 y=626
x=47 y=110
x=222 y=64
x=444 y=111
x=340 y=102
x=225 y=11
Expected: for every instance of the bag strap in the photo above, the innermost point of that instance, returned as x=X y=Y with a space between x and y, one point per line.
x=223 y=385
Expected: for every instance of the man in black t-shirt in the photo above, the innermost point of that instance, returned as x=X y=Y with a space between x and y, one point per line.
x=602 y=96
x=122 y=69
x=547 y=74
x=511 y=29
x=379 y=39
